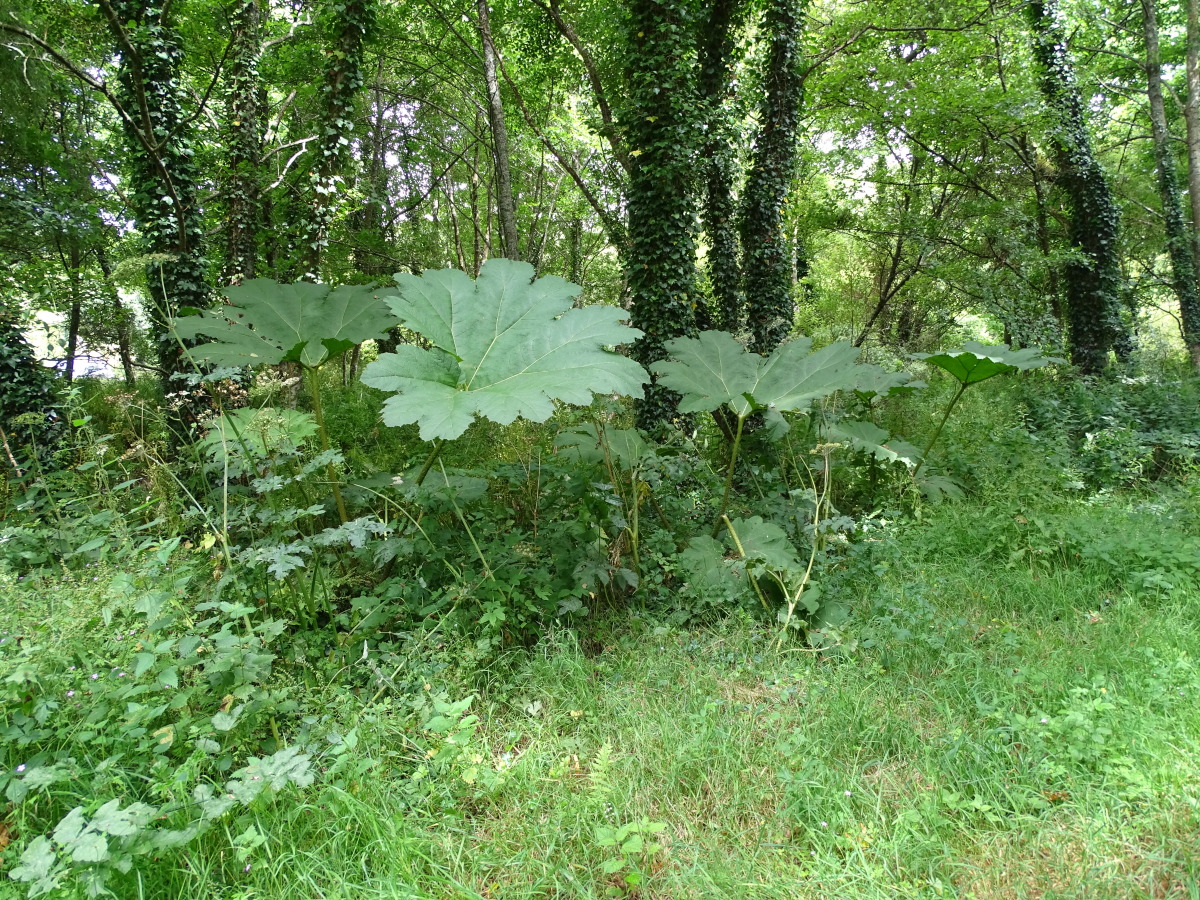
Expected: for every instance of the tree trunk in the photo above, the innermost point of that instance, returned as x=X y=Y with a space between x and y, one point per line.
x=1191 y=115
x=575 y=237
x=124 y=324
x=74 y=265
x=244 y=128
x=664 y=128
x=163 y=190
x=766 y=255
x=350 y=23
x=719 y=212
x=506 y=207
x=1179 y=243
x=1094 y=285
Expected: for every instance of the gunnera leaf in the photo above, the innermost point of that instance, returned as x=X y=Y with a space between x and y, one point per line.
x=713 y=370
x=267 y=322
x=977 y=362
x=504 y=345
x=871 y=382
x=259 y=432
x=870 y=438
x=626 y=447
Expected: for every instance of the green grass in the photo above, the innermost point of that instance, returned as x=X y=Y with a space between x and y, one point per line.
x=1000 y=730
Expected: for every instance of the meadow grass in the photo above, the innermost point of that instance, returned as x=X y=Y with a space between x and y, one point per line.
x=999 y=727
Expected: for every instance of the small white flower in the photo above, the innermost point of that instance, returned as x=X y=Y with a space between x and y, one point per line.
x=21 y=767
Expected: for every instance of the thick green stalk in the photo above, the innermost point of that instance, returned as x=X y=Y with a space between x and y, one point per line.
x=437 y=451
x=314 y=388
x=938 y=432
x=733 y=455
x=737 y=542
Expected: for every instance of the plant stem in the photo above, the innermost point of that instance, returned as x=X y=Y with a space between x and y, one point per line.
x=437 y=451
x=938 y=432
x=487 y=570
x=733 y=455
x=314 y=388
x=737 y=542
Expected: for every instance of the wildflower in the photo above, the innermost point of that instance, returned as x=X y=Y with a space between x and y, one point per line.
x=70 y=693
x=1044 y=720
x=94 y=676
x=824 y=824
x=21 y=767
x=847 y=793
x=120 y=674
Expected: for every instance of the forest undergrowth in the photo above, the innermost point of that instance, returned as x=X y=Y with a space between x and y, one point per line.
x=1009 y=711
x=512 y=648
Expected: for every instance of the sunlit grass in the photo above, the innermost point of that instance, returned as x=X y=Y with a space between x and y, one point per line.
x=1000 y=730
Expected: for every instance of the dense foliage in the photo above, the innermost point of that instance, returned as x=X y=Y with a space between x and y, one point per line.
x=493 y=377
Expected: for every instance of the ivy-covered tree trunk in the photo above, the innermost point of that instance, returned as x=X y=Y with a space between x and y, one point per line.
x=163 y=186
x=1191 y=116
x=1094 y=282
x=663 y=122
x=506 y=207
x=719 y=212
x=766 y=255
x=348 y=23
x=1179 y=247
x=244 y=129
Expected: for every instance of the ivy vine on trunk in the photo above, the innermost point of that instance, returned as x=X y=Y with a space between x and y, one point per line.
x=349 y=24
x=163 y=184
x=719 y=212
x=243 y=129
x=1093 y=281
x=663 y=124
x=766 y=256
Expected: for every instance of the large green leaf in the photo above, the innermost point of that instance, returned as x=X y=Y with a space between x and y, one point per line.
x=713 y=369
x=765 y=543
x=872 y=439
x=269 y=322
x=977 y=362
x=504 y=346
x=626 y=447
x=871 y=381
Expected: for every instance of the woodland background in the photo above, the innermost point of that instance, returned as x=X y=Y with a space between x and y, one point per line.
x=352 y=545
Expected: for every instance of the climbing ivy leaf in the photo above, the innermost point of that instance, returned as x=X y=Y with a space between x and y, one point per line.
x=505 y=346
x=977 y=362
x=268 y=322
